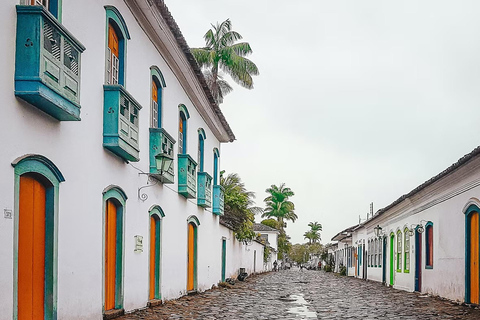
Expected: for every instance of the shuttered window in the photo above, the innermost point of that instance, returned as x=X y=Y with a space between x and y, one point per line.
x=429 y=245
x=113 y=61
x=399 y=251
x=154 y=122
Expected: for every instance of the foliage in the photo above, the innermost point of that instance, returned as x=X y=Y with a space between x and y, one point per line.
x=299 y=253
x=272 y=223
x=343 y=270
x=313 y=235
x=284 y=245
x=221 y=52
x=239 y=207
x=266 y=254
x=315 y=248
x=280 y=207
x=327 y=268
x=278 y=204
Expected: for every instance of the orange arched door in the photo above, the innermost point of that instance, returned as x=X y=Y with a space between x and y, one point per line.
x=191 y=258
x=110 y=254
x=474 y=258
x=31 y=249
x=154 y=276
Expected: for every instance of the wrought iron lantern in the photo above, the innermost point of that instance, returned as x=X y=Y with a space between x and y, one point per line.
x=163 y=161
x=377 y=230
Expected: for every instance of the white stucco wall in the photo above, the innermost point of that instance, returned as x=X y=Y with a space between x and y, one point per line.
x=442 y=203
x=76 y=149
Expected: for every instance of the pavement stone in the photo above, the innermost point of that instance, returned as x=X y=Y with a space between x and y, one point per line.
x=306 y=294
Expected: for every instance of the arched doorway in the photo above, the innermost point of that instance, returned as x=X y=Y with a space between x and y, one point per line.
x=392 y=255
x=114 y=204
x=32 y=246
x=193 y=224
x=37 y=182
x=156 y=214
x=472 y=254
x=418 y=260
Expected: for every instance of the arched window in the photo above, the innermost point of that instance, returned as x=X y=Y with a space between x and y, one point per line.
x=399 y=251
x=52 y=6
x=158 y=83
x=429 y=245
x=406 y=267
x=37 y=182
x=216 y=155
x=117 y=36
x=201 y=146
x=156 y=214
x=380 y=249
x=369 y=253
x=182 y=129
x=114 y=203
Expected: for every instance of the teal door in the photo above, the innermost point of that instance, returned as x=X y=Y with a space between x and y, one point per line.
x=392 y=242
x=224 y=258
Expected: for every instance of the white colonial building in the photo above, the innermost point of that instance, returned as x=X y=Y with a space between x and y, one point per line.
x=270 y=236
x=428 y=240
x=110 y=162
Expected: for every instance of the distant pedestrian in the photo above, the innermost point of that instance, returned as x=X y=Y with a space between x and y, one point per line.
x=275 y=265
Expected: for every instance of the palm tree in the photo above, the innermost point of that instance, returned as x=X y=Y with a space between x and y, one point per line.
x=222 y=53
x=278 y=205
x=315 y=226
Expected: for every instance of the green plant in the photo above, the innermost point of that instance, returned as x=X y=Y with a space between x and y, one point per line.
x=266 y=254
x=343 y=270
x=327 y=268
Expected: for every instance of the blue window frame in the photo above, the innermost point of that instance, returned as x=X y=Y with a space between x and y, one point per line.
x=116 y=36
x=158 y=83
x=201 y=146
x=182 y=129
x=216 y=155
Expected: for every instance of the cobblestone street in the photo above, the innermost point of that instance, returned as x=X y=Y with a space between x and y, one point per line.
x=302 y=294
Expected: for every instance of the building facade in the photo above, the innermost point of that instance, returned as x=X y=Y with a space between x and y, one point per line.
x=110 y=169
x=428 y=239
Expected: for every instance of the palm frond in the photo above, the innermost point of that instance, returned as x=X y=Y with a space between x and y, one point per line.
x=242 y=48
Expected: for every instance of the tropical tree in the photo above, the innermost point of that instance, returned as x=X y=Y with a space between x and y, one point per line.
x=315 y=226
x=272 y=223
x=239 y=207
x=279 y=206
x=221 y=53
x=313 y=235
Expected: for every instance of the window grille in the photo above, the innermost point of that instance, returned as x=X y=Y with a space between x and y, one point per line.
x=407 y=251
x=70 y=57
x=399 y=251
x=51 y=40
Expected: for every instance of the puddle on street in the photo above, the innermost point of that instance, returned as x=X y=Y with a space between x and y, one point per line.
x=301 y=311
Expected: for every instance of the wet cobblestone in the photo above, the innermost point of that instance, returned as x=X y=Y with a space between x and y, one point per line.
x=327 y=296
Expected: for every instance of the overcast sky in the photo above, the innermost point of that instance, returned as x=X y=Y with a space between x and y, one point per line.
x=356 y=102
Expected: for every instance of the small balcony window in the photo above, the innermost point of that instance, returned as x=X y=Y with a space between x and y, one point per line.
x=218 y=200
x=204 y=198
x=120 y=122
x=47 y=63
x=187 y=179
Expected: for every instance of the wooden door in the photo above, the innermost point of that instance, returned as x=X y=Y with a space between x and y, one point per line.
x=31 y=249
x=418 y=261
x=224 y=258
x=392 y=243
x=191 y=257
x=154 y=275
x=110 y=254
x=474 y=258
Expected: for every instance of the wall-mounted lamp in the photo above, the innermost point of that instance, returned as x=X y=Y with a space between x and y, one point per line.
x=416 y=227
x=377 y=230
x=163 y=161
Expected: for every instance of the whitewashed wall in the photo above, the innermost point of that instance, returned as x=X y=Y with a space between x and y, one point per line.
x=76 y=149
x=442 y=203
